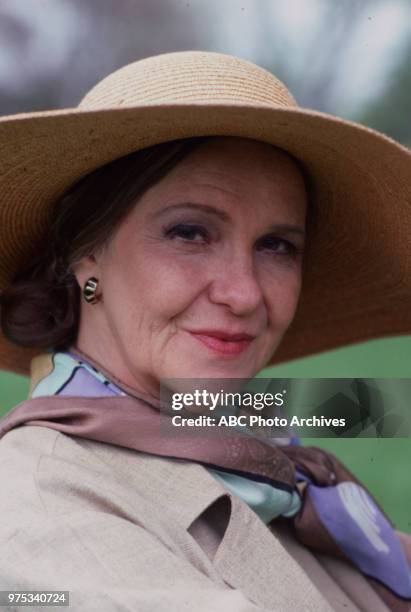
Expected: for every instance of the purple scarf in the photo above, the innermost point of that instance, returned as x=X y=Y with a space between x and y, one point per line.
x=337 y=515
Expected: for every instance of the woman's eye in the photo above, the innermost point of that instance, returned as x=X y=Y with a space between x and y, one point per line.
x=187 y=232
x=279 y=246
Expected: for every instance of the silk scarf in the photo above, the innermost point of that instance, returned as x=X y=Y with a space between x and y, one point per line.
x=330 y=510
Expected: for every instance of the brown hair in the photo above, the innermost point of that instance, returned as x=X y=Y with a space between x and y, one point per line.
x=41 y=308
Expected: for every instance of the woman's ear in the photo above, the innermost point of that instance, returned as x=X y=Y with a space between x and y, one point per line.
x=85 y=268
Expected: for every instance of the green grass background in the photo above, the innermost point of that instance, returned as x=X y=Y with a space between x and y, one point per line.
x=382 y=464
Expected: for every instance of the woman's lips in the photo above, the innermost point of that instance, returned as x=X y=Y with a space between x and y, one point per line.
x=223 y=347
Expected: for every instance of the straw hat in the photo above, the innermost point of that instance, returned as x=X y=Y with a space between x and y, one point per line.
x=358 y=280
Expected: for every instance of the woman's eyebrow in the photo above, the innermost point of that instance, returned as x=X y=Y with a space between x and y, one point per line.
x=287 y=228
x=275 y=227
x=193 y=205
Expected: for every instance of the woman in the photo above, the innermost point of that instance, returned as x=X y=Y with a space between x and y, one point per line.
x=184 y=222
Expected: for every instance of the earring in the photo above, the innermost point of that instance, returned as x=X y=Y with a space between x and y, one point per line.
x=89 y=290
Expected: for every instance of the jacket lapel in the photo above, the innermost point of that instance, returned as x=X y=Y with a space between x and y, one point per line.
x=249 y=557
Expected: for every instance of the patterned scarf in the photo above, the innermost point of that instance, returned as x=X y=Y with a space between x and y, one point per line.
x=331 y=511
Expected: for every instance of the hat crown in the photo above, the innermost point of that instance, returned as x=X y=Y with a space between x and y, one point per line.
x=189 y=77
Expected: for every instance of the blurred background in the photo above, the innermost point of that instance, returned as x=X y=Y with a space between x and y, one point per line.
x=350 y=58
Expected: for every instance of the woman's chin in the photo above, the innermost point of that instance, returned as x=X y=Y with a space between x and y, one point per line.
x=203 y=371
x=191 y=360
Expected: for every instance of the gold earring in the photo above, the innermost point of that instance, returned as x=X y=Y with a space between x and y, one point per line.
x=89 y=290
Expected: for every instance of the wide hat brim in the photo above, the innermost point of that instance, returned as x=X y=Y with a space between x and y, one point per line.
x=357 y=281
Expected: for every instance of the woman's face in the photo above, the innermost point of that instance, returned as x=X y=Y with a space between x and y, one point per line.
x=211 y=249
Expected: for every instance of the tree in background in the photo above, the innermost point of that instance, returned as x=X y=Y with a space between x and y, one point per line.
x=52 y=53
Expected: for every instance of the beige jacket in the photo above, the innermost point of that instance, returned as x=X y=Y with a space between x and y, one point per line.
x=123 y=530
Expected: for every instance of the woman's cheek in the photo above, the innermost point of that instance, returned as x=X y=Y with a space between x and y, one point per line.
x=283 y=301
x=176 y=278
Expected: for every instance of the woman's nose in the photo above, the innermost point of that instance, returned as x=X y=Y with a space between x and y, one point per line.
x=236 y=285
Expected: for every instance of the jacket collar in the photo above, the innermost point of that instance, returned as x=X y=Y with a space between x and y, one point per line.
x=249 y=557
x=171 y=480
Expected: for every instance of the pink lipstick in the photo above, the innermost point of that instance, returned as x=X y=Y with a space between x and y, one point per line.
x=222 y=342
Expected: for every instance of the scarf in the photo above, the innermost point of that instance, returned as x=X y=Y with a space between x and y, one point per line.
x=330 y=510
